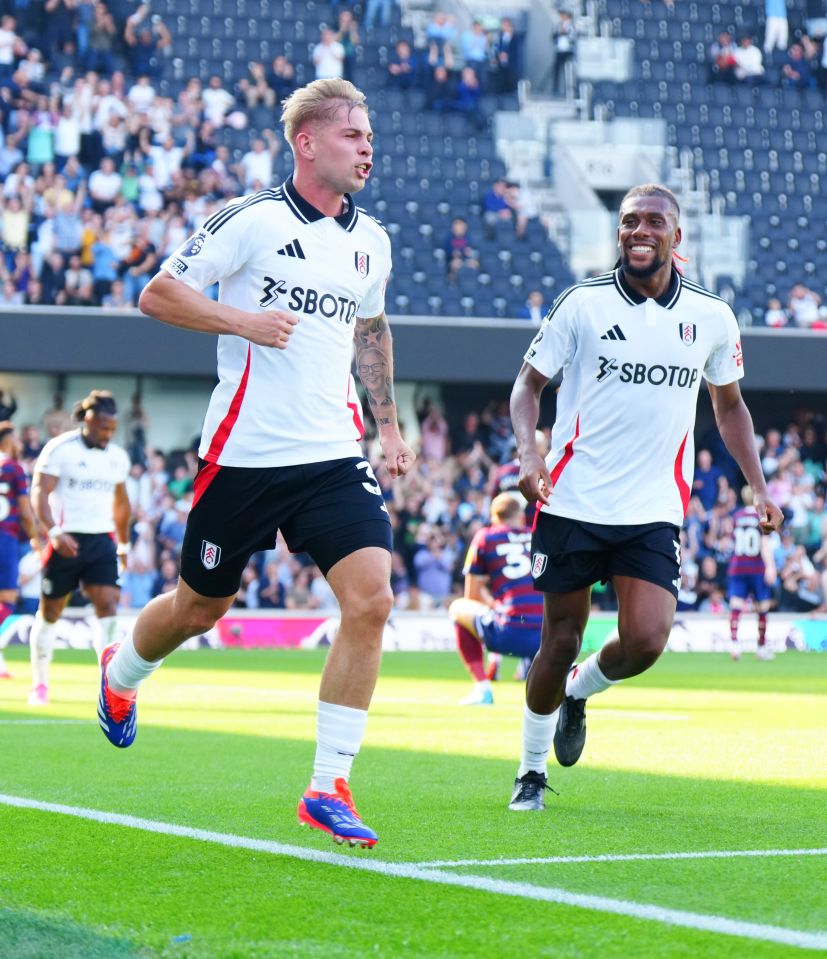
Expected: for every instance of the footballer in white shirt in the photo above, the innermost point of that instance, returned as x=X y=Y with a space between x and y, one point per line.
x=302 y=274
x=633 y=345
x=79 y=496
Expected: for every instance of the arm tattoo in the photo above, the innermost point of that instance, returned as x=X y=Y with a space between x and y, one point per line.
x=374 y=363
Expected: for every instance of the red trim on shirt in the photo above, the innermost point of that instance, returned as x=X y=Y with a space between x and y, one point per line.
x=225 y=427
x=354 y=409
x=568 y=452
x=683 y=486
x=203 y=478
x=536 y=516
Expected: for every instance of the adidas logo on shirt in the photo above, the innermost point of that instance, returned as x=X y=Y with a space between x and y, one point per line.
x=615 y=333
x=293 y=249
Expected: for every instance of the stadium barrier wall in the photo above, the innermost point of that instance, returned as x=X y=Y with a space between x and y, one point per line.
x=433 y=632
x=72 y=340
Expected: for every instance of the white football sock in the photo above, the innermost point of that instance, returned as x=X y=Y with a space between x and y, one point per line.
x=538 y=732
x=127 y=670
x=339 y=734
x=587 y=679
x=104 y=631
x=41 y=641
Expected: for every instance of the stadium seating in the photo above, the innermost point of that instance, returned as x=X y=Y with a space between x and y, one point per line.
x=762 y=147
x=431 y=167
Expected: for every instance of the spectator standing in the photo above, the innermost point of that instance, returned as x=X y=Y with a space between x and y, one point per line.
x=705 y=482
x=348 y=35
x=475 y=48
x=102 y=32
x=146 y=37
x=217 y=101
x=381 y=10
x=328 y=56
x=255 y=168
x=507 y=50
x=12 y=46
x=776 y=26
x=282 y=77
x=254 y=89
x=104 y=185
x=564 y=39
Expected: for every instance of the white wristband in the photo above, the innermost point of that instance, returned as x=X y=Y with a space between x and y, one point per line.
x=55 y=532
x=123 y=549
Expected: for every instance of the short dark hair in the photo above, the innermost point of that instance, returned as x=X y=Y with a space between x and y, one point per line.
x=6 y=427
x=653 y=189
x=99 y=401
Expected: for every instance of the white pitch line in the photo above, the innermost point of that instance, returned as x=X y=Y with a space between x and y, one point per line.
x=523 y=890
x=623 y=857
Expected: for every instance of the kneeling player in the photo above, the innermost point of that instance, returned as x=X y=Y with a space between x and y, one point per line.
x=501 y=610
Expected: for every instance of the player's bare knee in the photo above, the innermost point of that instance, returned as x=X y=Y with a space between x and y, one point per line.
x=644 y=650
x=562 y=638
x=370 y=605
x=198 y=618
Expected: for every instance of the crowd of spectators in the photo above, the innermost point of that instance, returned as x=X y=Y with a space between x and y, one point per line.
x=803 y=310
x=435 y=511
x=794 y=461
x=801 y=64
x=102 y=174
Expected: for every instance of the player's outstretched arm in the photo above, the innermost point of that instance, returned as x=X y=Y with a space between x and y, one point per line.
x=374 y=364
x=173 y=302
x=535 y=482
x=735 y=425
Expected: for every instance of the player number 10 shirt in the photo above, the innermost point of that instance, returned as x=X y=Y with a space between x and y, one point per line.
x=273 y=250
x=622 y=449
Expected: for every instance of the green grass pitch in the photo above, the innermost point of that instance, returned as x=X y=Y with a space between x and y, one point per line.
x=699 y=755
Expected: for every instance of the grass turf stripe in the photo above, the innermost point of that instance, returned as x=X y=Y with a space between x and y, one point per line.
x=635 y=910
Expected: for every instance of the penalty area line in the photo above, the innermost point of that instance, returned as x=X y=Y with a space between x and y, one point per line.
x=622 y=857
x=402 y=870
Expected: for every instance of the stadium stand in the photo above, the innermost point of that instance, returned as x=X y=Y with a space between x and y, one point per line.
x=760 y=147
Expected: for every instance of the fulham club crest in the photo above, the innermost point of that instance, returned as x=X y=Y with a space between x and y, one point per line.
x=362 y=261
x=210 y=554
x=688 y=332
x=538 y=564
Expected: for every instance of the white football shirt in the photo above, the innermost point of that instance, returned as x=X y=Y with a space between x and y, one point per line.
x=83 y=499
x=622 y=448
x=275 y=251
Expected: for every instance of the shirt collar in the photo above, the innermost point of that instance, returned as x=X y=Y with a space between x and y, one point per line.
x=667 y=299
x=308 y=213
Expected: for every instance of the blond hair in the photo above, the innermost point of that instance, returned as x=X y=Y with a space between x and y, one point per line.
x=319 y=101
x=505 y=507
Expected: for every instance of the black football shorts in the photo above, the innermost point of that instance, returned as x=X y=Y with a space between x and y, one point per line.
x=568 y=555
x=95 y=565
x=328 y=510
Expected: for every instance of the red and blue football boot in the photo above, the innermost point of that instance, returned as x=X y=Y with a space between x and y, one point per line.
x=117 y=715
x=335 y=813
